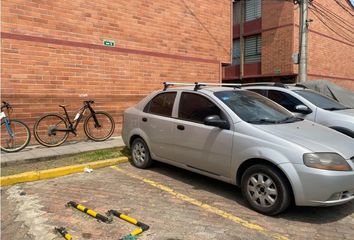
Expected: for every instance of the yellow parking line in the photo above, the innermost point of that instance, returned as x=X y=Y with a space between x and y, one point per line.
x=205 y=206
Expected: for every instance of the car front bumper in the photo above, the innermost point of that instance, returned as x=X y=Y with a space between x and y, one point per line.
x=316 y=187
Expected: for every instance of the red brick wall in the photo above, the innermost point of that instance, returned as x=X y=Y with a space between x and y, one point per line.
x=330 y=56
x=277 y=37
x=52 y=51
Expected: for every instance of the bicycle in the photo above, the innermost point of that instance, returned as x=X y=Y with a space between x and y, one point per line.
x=52 y=130
x=15 y=135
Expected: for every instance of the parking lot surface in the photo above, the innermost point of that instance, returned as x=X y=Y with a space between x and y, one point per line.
x=177 y=204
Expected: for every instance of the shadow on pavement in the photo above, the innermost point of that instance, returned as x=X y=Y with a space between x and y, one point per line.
x=313 y=215
x=318 y=215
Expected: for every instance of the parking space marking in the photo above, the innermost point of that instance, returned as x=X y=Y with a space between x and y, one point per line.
x=204 y=206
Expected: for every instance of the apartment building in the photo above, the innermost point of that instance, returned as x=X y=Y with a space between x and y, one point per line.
x=266 y=41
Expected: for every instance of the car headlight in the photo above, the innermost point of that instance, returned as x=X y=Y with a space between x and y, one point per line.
x=327 y=161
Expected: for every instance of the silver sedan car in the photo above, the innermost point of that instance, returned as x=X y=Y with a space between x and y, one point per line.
x=243 y=138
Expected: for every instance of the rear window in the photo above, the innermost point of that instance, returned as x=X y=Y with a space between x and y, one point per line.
x=161 y=104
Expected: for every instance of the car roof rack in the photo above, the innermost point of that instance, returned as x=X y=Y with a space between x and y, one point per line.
x=300 y=85
x=276 y=84
x=198 y=85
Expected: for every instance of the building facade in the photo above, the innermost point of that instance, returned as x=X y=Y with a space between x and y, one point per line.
x=54 y=52
x=266 y=41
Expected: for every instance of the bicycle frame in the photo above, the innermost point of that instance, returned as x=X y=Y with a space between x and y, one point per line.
x=7 y=124
x=73 y=124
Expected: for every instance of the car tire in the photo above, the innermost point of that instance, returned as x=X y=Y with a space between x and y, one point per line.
x=140 y=154
x=265 y=189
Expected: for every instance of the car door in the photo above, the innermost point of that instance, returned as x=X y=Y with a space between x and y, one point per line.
x=157 y=123
x=197 y=145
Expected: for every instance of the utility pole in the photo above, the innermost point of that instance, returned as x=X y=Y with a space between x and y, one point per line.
x=303 y=40
x=242 y=40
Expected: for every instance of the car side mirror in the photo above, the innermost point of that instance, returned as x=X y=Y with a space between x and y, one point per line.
x=216 y=121
x=302 y=109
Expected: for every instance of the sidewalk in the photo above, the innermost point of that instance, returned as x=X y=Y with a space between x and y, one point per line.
x=36 y=153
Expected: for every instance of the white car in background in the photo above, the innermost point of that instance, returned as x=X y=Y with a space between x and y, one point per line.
x=308 y=104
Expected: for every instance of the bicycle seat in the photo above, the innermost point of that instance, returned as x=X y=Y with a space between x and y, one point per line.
x=63 y=106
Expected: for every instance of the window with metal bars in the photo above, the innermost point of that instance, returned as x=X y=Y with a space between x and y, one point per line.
x=236 y=13
x=253 y=49
x=236 y=51
x=253 y=9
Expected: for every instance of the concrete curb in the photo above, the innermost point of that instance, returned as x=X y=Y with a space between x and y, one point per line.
x=48 y=158
x=57 y=172
x=38 y=153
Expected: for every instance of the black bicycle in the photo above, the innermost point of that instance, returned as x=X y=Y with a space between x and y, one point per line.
x=15 y=135
x=52 y=130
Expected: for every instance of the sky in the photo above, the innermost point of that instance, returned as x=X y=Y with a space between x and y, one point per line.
x=352 y=1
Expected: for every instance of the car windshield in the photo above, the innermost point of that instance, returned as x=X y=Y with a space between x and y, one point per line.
x=321 y=101
x=254 y=108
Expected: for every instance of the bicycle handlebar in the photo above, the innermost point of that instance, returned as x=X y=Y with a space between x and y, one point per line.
x=89 y=102
x=6 y=105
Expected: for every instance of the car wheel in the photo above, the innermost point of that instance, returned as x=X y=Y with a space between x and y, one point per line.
x=140 y=154
x=265 y=189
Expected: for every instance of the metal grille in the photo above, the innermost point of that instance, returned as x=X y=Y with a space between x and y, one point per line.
x=236 y=52
x=253 y=48
x=253 y=9
x=236 y=14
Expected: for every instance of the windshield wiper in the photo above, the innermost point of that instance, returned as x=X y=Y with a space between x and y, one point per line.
x=335 y=108
x=263 y=120
x=290 y=119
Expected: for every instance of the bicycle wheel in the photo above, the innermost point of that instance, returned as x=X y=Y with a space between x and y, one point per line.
x=101 y=131
x=46 y=130
x=16 y=137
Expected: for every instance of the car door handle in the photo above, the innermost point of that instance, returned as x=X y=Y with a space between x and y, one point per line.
x=145 y=119
x=180 y=127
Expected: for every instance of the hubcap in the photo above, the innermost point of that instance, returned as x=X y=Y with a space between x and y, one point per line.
x=139 y=153
x=262 y=190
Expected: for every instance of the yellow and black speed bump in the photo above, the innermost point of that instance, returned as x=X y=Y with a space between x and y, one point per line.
x=90 y=212
x=142 y=227
x=64 y=233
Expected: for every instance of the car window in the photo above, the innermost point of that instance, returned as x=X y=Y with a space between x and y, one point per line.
x=284 y=99
x=320 y=100
x=161 y=104
x=194 y=107
x=254 y=108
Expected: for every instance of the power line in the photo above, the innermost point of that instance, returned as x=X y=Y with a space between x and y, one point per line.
x=338 y=22
x=330 y=12
x=345 y=8
x=346 y=37
x=327 y=11
x=330 y=28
